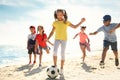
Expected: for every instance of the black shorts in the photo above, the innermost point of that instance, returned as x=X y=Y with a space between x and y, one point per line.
x=112 y=44
x=32 y=50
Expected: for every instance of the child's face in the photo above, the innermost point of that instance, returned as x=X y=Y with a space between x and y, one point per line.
x=32 y=30
x=106 y=23
x=82 y=29
x=40 y=29
x=60 y=15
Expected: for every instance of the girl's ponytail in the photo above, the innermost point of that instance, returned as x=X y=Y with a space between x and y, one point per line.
x=55 y=14
x=65 y=16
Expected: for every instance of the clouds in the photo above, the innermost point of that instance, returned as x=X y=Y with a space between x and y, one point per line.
x=33 y=3
x=16 y=3
x=17 y=15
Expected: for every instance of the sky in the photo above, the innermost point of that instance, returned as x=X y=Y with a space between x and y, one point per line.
x=17 y=15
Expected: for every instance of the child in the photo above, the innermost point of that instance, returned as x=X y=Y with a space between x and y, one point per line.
x=83 y=43
x=41 y=43
x=110 y=38
x=31 y=44
x=60 y=26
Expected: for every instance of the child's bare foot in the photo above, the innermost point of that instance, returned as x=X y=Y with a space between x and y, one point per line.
x=34 y=62
x=29 y=62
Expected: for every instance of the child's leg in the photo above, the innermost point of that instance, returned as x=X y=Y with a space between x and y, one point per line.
x=104 y=54
x=115 y=51
x=34 y=58
x=56 y=45
x=116 y=57
x=30 y=56
x=83 y=47
x=55 y=60
x=47 y=51
x=63 y=47
x=40 y=57
x=105 y=49
x=114 y=48
x=116 y=54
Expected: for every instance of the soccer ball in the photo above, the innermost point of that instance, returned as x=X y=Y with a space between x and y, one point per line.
x=52 y=72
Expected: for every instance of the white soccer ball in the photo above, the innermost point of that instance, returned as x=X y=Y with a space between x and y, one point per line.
x=52 y=72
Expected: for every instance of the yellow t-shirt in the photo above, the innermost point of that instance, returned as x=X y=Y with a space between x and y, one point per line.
x=61 y=29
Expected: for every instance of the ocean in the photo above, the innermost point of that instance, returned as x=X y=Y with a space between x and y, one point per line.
x=11 y=54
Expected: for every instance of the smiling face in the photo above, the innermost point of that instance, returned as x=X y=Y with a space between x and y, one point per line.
x=60 y=15
x=32 y=30
x=106 y=23
x=40 y=29
x=82 y=29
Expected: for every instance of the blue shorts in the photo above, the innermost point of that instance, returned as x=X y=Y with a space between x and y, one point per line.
x=112 y=44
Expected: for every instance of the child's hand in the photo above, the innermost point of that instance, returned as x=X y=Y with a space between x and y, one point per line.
x=35 y=50
x=47 y=40
x=90 y=33
x=112 y=30
x=83 y=20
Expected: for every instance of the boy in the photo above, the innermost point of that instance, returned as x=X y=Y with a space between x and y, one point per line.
x=31 y=44
x=110 y=38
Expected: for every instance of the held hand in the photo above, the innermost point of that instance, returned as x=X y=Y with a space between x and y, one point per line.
x=83 y=20
x=47 y=40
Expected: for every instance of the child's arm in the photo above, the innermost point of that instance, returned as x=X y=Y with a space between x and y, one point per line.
x=112 y=30
x=27 y=44
x=51 y=33
x=50 y=43
x=77 y=25
x=36 y=45
x=94 y=33
x=47 y=41
x=88 y=40
x=75 y=36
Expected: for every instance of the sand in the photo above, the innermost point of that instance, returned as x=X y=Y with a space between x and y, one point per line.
x=73 y=70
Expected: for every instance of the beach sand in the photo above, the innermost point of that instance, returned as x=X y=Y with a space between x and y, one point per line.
x=73 y=70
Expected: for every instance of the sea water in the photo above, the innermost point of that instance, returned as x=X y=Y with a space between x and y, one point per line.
x=12 y=54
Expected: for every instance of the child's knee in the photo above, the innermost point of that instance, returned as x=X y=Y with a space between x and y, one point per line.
x=62 y=57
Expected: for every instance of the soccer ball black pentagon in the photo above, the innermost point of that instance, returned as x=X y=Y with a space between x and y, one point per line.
x=52 y=72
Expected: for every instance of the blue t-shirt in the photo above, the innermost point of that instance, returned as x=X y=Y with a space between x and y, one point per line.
x=111 y=37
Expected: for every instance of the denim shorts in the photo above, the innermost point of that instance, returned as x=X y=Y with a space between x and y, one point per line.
x=112 y=44
x=82 y=44
x=45 y=48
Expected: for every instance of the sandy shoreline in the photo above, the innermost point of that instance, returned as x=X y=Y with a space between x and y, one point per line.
x=73 y=70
